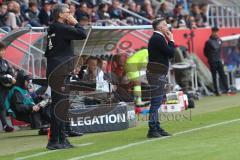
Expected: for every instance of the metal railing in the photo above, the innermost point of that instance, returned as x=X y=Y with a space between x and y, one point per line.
x=24 y=42
x=223 y=16
x=139 y=34
x=33 y=56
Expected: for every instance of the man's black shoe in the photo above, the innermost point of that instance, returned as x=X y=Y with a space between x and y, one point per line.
x=43 y=131
x=163 y=133
x=73 y=134
x=67 y=144
x=7 y=128
x=54 y=145
x=153 y=134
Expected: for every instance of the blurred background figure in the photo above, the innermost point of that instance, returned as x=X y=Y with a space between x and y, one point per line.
x=45 y=15
x=6 y=82
x=212 y=50
x=32 y=15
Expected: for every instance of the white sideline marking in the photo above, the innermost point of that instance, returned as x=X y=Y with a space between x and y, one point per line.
x=152 y=140
x=47 y=152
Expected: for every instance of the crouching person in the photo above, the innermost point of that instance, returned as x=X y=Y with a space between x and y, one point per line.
x=21 y=105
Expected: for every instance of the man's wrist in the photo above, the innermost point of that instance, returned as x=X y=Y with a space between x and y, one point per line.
x=77 y=25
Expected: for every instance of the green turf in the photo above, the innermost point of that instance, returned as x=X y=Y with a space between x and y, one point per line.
x=220 y=142
x=207 y=144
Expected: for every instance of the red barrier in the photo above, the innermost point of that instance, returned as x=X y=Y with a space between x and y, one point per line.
x=15 y=55
x=201 y=36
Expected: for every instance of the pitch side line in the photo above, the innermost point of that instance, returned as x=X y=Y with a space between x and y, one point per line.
x=47 y=152
x=151 y=140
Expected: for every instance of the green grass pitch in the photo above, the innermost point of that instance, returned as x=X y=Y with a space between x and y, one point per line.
x=212 y=133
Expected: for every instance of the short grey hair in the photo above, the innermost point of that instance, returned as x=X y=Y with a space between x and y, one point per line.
x=57 y=9
x=156 y=22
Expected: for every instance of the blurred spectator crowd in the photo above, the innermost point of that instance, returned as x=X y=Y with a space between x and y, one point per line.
x=37 y=13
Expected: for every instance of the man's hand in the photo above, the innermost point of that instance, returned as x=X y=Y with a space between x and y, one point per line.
x=13 y=81
x=71 y=20
x=35 y=108
x=114 y=87
x=169 y=35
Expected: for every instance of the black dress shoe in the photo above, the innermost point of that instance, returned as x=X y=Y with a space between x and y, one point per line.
x=7 y=128
x=153 y=134
x=54 y=145
x=163 y=133
x=43 y=131
x=73 y=134
x=66 y=144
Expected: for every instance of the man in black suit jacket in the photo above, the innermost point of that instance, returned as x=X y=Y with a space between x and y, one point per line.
x=212 y=50
x=161 y=48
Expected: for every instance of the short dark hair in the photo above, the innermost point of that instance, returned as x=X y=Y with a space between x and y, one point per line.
x=91 y=58
x=32 y=4
x=84 y=18
x=156 y=22
x=215 y=29
x=101 y=6
x=2 y=46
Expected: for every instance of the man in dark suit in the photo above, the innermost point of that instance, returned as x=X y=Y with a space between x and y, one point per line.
x=60 y=62
x=161 y=48
x=212 y=50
